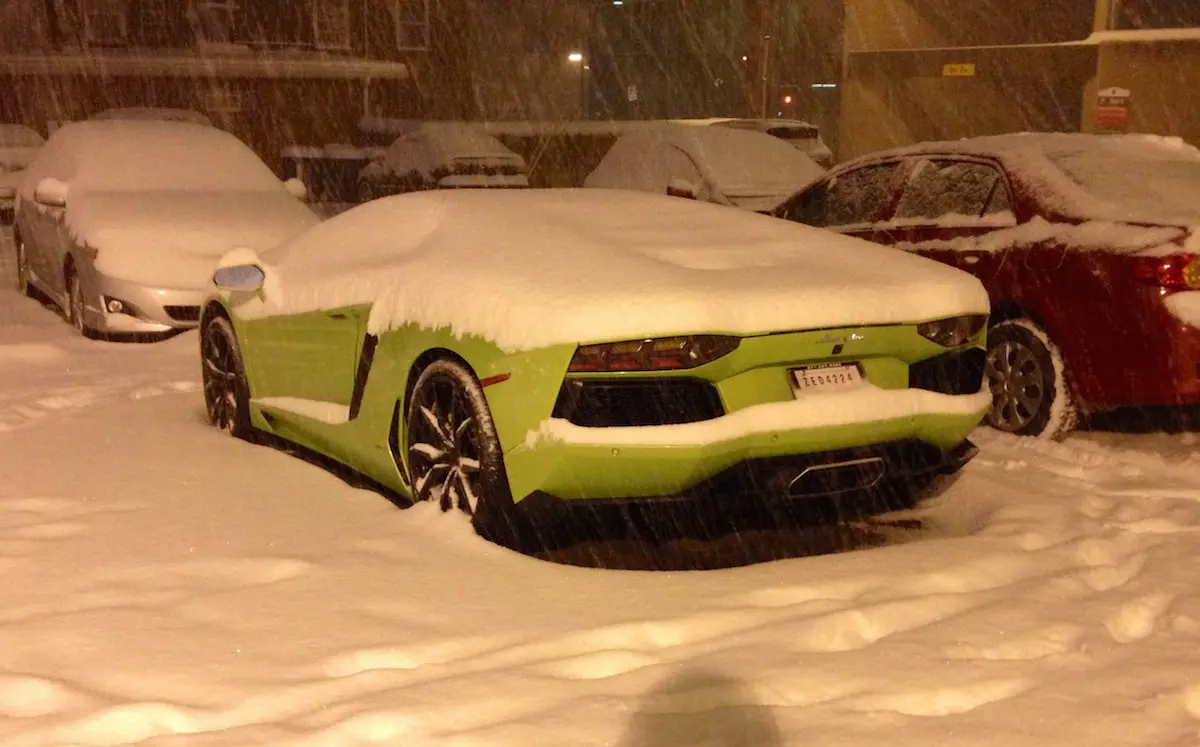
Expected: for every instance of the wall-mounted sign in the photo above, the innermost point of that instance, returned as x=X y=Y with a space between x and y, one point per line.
x=958 y=70
x=1112 y=109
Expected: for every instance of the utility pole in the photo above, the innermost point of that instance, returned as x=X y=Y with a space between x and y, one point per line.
x=765 y=70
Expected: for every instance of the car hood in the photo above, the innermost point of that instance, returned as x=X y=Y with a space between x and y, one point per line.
x=173 y=240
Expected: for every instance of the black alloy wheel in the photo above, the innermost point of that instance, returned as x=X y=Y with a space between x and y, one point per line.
x=226 y=391
x=454 y=454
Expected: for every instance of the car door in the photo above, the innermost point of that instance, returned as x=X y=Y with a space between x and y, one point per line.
x=311 y=356
x=43 y=227
x=850 y=202
x=947 y=207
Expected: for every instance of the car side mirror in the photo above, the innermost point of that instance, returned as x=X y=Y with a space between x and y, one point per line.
x=240 y=270
x=51 y=192
x=296 y=188
x=683 y=188
x=239 y=278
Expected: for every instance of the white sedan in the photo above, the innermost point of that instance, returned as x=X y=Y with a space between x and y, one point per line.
x=119 y=222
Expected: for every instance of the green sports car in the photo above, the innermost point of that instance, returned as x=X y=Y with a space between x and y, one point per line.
x=504 y=353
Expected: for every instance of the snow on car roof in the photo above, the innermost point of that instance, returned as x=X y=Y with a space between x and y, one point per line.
x=1085 y=177
x=739 y=162
x=146 y=155
x=533 y=268
x=458 y=140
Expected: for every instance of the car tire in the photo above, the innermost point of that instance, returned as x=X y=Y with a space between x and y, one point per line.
x=1025 y=371
x=454 y=454
x=23 y=284
x=366 y=191
x=223 y=372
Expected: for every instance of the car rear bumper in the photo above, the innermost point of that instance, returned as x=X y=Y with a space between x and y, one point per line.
x=144 y=309
x=649 y=462
x=901 y=469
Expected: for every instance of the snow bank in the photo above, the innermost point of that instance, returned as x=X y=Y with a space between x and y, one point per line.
x=532 y=268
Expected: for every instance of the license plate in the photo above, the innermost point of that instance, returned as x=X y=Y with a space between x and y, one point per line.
x=829 y=377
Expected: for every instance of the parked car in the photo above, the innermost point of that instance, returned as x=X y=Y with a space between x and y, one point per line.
x=726 y=166
x=119 y=222
x=442 y=155
x=18 y=147
x=153 y=113
x=803 y=136
x=1086 y=244
x=512 y=350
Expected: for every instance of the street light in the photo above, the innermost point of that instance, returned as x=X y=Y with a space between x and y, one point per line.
x=575 y=57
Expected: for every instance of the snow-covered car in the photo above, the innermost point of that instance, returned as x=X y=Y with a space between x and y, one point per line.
x=154 y=114
x=18 y=147
x=442 y=155
x=119 y=222
x=724 y=165
x=1088 y=244
x=801 y=135
x=509 y=350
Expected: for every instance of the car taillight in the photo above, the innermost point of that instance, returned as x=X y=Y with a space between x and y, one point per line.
x=954 y=331
x=1177 y=272
x=663 y=354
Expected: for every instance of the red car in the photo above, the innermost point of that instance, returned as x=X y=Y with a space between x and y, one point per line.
x=1086 y=244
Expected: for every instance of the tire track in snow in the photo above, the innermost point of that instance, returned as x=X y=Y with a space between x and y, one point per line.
x=33 y=408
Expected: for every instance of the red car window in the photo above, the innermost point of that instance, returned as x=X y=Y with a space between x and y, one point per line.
x=943 y=187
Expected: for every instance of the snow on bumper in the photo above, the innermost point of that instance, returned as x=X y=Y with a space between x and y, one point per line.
x=571 y=461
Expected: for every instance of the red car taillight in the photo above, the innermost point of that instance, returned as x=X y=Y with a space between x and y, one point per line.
x=664 y=354
x=1177 y=271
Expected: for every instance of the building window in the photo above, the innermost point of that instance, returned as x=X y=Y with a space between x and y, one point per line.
x=331 y=24
x=411 y=18
x=105 y=23
x=215 y=21
x=155 y=22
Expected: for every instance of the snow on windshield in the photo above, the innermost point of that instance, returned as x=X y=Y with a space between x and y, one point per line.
x=1150 y=180
x=150 y=156
x=746 y=162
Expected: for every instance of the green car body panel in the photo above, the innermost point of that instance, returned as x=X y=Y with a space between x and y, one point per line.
x=316 y=356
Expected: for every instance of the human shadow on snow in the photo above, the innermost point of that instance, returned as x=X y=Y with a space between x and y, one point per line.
x=701 y=708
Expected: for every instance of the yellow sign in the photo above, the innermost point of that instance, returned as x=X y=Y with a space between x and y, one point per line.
x=959 y=70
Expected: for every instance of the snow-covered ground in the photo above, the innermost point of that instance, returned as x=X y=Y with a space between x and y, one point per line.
x=165 y=585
